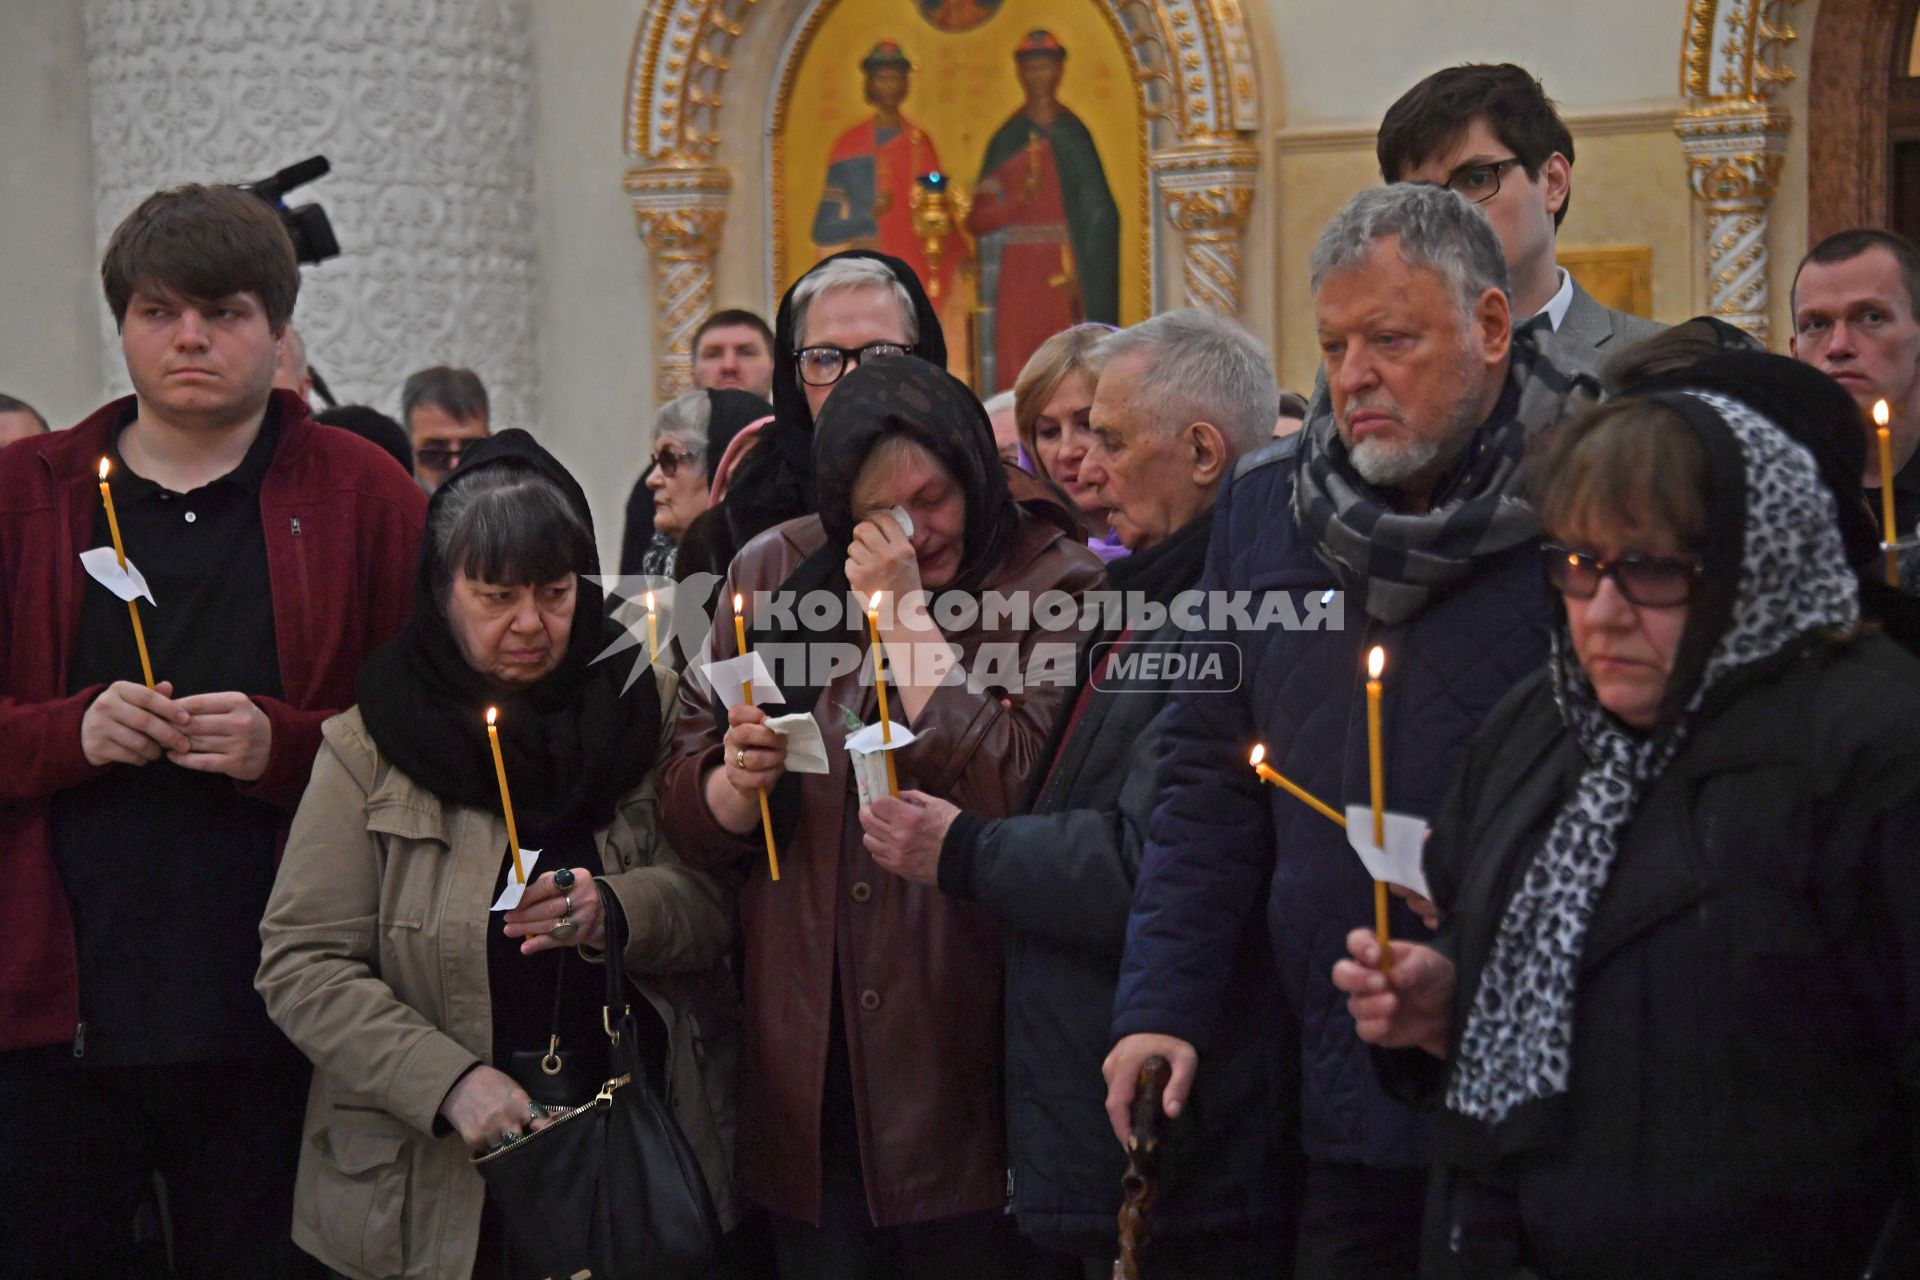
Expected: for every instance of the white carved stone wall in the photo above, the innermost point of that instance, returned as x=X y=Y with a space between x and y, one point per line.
x=424 y=109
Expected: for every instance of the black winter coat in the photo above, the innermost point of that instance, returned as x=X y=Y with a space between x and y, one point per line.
x=1061 y=880
x=1746 y=1037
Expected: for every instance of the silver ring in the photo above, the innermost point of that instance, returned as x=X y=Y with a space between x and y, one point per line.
x=564 y=928
x=509 y=1137
x=535 y=1112
x=567 y=901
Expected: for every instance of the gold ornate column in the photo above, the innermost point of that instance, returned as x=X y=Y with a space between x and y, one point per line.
x=1734 y=154
x=1207 y=190
x=681 y=211
x=1735 y=141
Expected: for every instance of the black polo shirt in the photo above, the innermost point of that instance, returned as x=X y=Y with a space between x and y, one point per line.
x=167 y=869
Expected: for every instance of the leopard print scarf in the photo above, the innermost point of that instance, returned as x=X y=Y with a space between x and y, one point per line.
x=1794 y=579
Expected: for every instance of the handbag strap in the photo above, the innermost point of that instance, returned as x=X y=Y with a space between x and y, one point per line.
x=614 y=928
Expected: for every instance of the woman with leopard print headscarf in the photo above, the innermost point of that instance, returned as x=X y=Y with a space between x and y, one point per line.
x=1671 y=1020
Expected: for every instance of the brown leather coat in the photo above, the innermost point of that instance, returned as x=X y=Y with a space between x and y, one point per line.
x=919 y=972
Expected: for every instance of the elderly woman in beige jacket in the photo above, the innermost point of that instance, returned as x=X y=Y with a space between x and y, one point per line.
x=435 y=1024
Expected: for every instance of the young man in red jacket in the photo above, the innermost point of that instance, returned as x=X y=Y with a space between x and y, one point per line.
x=140 y=827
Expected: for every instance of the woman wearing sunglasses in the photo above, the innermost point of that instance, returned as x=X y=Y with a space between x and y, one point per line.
x=691 y=434
x=1670 y=1020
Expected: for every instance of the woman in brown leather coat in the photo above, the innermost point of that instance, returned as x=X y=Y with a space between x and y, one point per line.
x=870 y=1113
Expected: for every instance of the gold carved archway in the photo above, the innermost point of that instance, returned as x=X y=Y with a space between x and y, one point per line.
x=1735 y=139
x=1195 y=70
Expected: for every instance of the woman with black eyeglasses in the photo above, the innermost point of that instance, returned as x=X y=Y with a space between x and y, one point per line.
x=849 y=309
x=1671 y=1019
x=691 y=434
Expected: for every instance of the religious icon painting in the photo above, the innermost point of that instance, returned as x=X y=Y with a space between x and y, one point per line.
x=997 y=147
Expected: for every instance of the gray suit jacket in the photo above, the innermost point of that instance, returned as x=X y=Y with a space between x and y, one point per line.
x=1592 y=334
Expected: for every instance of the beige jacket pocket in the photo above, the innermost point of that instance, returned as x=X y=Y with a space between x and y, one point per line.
x=359 y=1201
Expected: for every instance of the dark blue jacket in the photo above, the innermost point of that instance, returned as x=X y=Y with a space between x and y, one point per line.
x=1220 y=841
x=1060 y=880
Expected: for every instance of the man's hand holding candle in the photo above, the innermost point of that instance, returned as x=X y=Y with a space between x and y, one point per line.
x=227 y=733
x=132 y=724
x=905 y=834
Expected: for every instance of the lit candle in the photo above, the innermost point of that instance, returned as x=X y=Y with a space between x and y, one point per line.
x=506 y=800
x=1268 y=774
x=880 y=688
x=1376 y=662
x=1880 y=420
x=653 y=631
x=120 y=554
x=746 y=694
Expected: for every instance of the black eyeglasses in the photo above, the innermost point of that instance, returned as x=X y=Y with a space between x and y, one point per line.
x=669 y=461
x=1652 y=582
x=1478 y=183
x=823 y=366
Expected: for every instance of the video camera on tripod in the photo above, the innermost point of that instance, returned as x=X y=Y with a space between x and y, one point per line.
x=312 y=234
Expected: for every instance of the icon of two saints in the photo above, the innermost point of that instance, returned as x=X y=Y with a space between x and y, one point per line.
x=1041 y=212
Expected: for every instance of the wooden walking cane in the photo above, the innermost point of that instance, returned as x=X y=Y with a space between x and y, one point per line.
x=1141 y=1182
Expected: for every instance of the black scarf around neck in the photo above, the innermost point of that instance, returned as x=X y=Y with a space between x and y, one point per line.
x=573 y=742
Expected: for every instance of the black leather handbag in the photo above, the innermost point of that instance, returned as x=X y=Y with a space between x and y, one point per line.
x=610 y=1189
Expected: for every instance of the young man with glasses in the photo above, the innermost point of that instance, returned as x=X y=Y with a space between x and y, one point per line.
x=1490 y=134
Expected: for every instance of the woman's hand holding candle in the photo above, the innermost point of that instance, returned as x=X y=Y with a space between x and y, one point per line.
x=1408 y=1006
x=753 y=758
x=545 y=904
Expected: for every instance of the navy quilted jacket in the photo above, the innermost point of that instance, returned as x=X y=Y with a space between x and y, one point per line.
x=1220 y=841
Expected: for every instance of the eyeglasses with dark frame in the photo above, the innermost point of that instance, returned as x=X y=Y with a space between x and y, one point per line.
x=1478 y=183
x=822 y=366
x=1652 y=582
x=669 y=460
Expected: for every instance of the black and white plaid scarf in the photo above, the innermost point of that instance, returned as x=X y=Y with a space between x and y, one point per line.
x=1793 y=579
x=1395 y=562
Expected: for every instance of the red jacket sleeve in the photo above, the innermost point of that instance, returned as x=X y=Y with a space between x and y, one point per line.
x=40 y=746
x=386 y=548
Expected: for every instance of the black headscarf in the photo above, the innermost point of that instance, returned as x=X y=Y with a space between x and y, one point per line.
x=729 y=412
x=935 y=410
x=774 y=483
x=573 y=743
